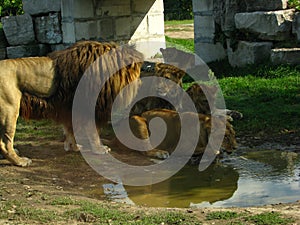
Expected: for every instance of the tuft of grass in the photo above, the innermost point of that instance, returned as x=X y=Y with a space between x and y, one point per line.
x=222 y=215
x=269 y=218
x=178 y=22
x=181 y=44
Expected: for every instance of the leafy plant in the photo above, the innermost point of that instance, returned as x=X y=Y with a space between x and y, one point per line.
x=11 y=7
x=294 y=4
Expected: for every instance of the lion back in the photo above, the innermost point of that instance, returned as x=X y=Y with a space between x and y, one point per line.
x=72 y=63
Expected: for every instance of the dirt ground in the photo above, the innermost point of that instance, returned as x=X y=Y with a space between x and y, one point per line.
x=57 y=173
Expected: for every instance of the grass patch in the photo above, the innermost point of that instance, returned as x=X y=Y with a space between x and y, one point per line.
x=269 y=218
x=187 y=45
x=178 y=22
x=226 y=215
x=44 y=129
x=270 y=101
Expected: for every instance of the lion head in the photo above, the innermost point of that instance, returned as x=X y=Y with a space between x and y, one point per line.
x=229 y=143
x=163 y=88
x=204 y=97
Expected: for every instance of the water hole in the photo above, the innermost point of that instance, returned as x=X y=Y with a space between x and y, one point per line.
x=248 y=178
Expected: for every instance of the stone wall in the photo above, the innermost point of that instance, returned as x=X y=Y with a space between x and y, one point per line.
x=247 y=31
x=54 y=24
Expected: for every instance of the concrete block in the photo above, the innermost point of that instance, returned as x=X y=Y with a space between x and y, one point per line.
x=156 y=24
x=143 y=7
x=203 y=5
x=296 y=26
x=272 y=25
x=286 y=56
x=106 y=29
x=35 y=7
x=139 y=26
x=123 y=25
x=68 y=31
x=47 y=29
x=204 y=27
x=82 y=9
x=210 y=52
x=27 y=51
x=113 y=8
x=86 y=30
x=18 y=29
x=248 y=53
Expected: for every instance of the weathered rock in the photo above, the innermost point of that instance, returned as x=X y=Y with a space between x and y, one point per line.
x=47 y=29
x=263 y=5
x=35 y=7
x=224 y=12
x=296 y=26
x=272 y=25
x=285 y=56
x=18 y=29
x=27 y=50
x=249 y=53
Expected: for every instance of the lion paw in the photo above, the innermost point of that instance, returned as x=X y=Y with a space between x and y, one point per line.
x=160 y=154
x=24 y=162
x=102 y=150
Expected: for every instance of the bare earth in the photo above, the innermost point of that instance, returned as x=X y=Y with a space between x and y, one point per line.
x=55 y=173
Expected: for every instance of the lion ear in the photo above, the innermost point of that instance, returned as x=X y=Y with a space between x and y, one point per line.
x=214 y=89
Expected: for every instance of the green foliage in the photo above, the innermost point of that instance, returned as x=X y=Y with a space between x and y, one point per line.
x=178 y=10
x=294 y=4
x=11 y=7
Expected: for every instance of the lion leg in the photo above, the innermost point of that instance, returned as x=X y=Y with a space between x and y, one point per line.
x=8 y=125
x=140 y=129
x=70 y=142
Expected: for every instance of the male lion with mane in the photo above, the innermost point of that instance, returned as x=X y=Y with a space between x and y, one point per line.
x=44 y=87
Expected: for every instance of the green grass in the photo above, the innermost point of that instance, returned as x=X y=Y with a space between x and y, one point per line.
x=270 y=102
x=181 y=44
x=258 y=219
x=178 y=22
x=268 y=96
x=269 y=218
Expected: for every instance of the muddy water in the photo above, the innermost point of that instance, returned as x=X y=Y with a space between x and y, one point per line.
x=249 y=178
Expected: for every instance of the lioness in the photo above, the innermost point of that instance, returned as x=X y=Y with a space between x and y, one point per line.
x=139 y=127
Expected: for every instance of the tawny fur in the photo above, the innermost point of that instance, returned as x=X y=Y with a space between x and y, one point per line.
x=44 y=87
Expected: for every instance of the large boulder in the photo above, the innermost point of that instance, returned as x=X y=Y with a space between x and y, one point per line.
x=272 y=25
x=263 y=5
x=248 y=53
x=47 y=29
x=286 y=56
x=18 y=29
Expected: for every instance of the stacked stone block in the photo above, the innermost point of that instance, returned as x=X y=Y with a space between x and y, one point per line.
x=49 y=25
x=246 y=32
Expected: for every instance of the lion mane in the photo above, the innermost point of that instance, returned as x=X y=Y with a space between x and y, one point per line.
x=44 y=87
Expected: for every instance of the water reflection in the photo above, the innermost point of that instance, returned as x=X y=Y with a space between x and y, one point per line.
x=189 y=185
x=246 y=179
